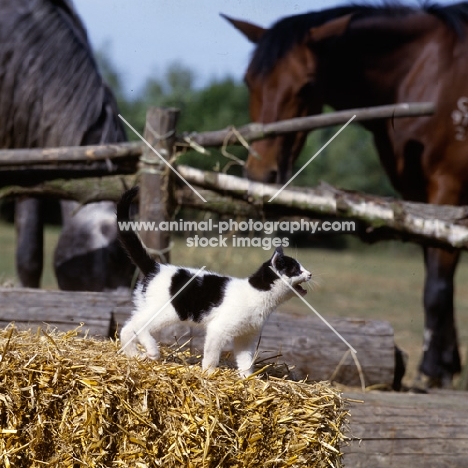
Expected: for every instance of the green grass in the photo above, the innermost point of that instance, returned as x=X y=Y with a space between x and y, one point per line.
x=383 y=281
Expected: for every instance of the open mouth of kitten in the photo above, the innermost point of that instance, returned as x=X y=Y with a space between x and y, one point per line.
x=298 y=288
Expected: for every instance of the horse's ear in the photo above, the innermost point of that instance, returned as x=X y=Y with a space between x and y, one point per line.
x=252 y=32
x=333 y=28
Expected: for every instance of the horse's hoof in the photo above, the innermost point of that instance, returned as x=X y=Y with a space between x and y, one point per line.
x=423 y=383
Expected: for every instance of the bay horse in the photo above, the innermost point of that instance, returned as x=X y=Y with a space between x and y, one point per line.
x=51 y=94
x=358 y=56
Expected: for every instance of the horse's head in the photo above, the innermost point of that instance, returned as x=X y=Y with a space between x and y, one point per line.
x=282 y=78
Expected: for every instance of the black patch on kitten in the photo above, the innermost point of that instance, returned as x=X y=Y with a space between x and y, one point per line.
x=147 y=279
x=199 y=297
x=263 y=278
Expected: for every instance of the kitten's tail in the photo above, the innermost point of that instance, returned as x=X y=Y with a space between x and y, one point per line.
x=129 y=238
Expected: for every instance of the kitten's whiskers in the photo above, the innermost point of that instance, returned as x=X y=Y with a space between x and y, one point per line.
x=315 y=312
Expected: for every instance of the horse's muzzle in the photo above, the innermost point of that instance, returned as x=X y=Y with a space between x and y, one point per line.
x=267 y=177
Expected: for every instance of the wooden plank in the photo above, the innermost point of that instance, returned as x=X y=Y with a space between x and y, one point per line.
x=14 y=178
x=395 y=430
x=314 y=350
x=83 y=191
x=57 y=156
x=66 y=310
x=422 y=460
x=308 y=345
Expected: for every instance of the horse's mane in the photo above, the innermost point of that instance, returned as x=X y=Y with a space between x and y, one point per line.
x=286 y=32
x=454 y=15
x=67 y=10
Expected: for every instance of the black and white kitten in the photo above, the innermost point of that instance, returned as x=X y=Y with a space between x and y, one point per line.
x=229 y=309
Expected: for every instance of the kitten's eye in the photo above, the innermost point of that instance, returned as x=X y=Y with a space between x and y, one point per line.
x=292 y=269
x=296 y=272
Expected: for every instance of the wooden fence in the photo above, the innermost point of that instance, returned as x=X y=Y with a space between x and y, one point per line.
x=113 y=168
x=387 y=430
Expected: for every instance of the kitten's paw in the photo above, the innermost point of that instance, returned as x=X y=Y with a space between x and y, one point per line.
x=131 y=352
x=151 y=356
x=245 y=373
x=134 y=351
x=139 y=355
x=208 y=370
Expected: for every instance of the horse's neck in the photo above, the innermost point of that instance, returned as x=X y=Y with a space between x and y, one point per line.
x=369 y=63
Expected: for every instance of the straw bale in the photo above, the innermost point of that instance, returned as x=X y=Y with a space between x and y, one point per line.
x=71 y=401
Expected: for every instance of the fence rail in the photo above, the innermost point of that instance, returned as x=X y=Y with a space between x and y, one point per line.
x=18 y=158
x=258 y=131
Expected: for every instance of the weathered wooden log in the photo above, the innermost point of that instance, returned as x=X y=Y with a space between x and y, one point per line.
x=300 y=341
x=57 y=156
x=381 y=218
x=27 y=176
x=308 y=346
x=86 y=190
x=215 y=203
x=258 y=131
x=28 y=167
x=393 y=430
x=94 y=189
x=65 y=310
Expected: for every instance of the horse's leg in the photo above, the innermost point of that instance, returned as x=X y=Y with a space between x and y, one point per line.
x=29 y=233
x=441 y=359
x=68 y=209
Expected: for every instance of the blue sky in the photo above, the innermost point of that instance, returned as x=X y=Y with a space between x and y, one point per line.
x=144 y=36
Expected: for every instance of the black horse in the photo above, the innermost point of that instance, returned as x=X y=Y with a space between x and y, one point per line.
x=51 y=94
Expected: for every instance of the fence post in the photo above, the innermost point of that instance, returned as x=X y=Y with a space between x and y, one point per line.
x=160 y=134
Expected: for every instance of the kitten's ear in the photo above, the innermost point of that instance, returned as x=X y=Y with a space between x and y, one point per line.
x=278 y=253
